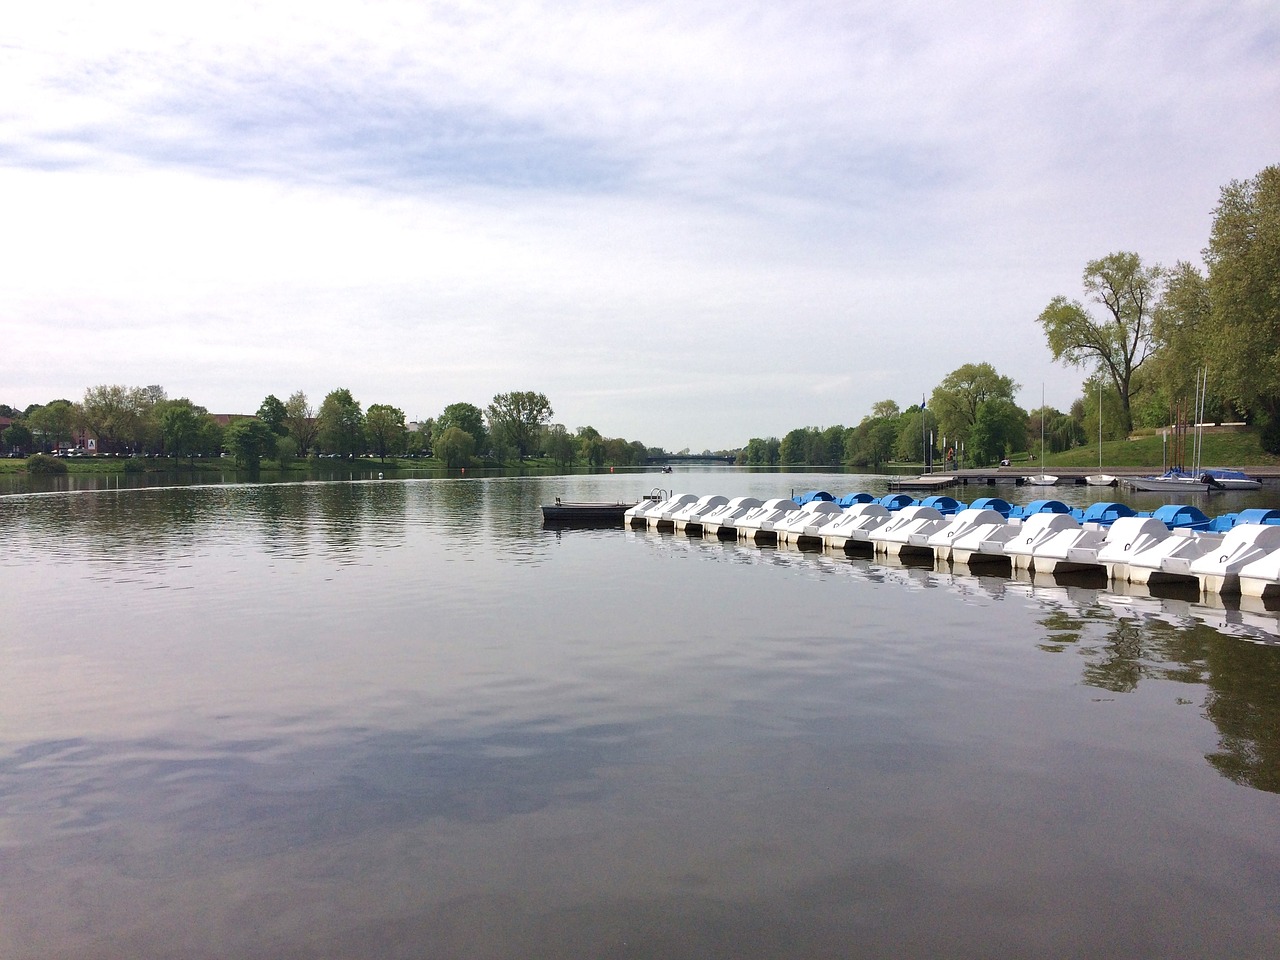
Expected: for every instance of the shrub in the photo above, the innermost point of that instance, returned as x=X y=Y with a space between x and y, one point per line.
x=44 y=464
x=1270 y=437
x=134 y=465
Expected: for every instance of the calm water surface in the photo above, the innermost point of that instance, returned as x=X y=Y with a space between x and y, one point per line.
x=399 y=719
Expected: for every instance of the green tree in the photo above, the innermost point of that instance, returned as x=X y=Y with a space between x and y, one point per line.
x=17 y=436
x=273 y=413
x=516 y=419
x=1244 y=293
x=210 y=437
x=341 y=424
x=454 y=447
x=385 y=427
x=300 y=419
x=52 y=424
x=957 y=399
x=1097 y=407
x=999 y=428
x=763 y=451
x=420 y=439
x=562 y=446
x=885 y=409
x=618 y=452
x=464 y=416
x=1182 y=325
x=591 y=445
x=1119 y=343
x=794 y=448
x=914 y=428
x=181 y=423
x=286 y=450
x=249 y=440
x=117 y=415
x=870 y=443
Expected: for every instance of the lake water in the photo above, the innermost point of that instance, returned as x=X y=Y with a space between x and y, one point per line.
x=399 y=719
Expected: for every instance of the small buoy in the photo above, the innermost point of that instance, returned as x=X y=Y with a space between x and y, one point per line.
x=379 y=476
x=611 y=469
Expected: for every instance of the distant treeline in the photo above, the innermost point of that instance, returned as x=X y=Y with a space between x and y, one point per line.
x=144 y=421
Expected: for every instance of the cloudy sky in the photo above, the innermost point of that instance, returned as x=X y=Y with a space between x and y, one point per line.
x=687 y=223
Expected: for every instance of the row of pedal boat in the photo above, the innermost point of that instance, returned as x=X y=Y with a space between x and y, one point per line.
x=1236 y=553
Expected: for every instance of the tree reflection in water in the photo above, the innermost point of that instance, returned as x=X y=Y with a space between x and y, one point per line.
x=1241 y=678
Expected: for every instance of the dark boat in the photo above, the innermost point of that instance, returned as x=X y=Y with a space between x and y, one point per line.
x=564 y=513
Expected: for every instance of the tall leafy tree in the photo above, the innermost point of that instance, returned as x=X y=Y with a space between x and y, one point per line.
x=341 y=424
x=516 y=419
x=464 y=416
x=300 y=419
x=181 y=423
x=1244 y=293
x=273 y=413
x=52 y=424
x=999 y=428
x=249 y=440
x=962 y=392
x=591 y=445
x=453 y=447
x=1121 y=340
x=794 y=448
x=915 y=424
x=562 y=446
x=17 y=437
x=385 y=429
x=1182 y=331
x=763 y=451
x=870 y=443
x=119 y=417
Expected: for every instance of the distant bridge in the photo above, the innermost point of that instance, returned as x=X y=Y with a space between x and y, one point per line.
x=692 y=458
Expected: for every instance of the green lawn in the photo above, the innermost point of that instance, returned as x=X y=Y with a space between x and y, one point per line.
x=1219 y=450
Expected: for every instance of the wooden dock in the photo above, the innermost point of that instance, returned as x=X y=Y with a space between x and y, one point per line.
x=1016 y=476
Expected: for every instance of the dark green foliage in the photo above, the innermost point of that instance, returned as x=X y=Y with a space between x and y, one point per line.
x=273 y=413
x=42 y=465
x=1270 y=437
x=249 y=440
x=454 y=447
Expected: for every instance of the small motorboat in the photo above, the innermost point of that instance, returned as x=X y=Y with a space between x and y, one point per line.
x=564 y=513
x=1171 y=480
x=568 y=513
x=1232 y=480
